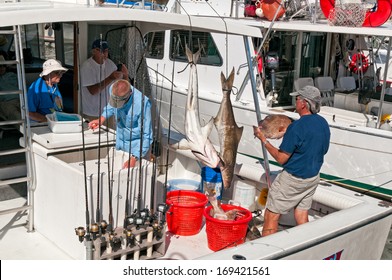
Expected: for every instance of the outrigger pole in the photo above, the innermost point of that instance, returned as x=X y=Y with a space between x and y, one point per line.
x=257 y=107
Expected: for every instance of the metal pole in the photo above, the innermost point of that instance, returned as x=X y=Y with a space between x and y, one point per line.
x=384 y=83
x=257 y=107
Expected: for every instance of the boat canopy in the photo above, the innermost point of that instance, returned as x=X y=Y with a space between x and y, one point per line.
x=24 y=13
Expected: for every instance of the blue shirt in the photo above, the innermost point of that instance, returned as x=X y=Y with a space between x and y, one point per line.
x=129 y=118
x=307 y=140
x=44 y=99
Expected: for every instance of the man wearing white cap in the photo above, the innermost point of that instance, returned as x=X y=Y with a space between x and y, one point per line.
x=132 y=111
x=301 y=154
x=97 y=74
x=44 y=96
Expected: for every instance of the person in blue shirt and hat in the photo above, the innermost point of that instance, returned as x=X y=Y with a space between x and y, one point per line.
x=44 y=96
x=132 y=111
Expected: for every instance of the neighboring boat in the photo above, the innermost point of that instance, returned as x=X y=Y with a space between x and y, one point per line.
x=76 y=182
x=296 y=51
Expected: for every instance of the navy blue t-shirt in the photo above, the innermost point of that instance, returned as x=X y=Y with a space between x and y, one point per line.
x=307 y=140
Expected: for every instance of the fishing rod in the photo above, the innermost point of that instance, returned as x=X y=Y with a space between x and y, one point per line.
x=157 y=135
x=127 y=212
x=98 y=210
x=83 y=234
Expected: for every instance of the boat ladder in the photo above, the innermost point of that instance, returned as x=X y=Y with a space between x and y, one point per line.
x=22 y=152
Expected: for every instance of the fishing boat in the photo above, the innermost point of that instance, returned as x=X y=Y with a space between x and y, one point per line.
x=82 y=201
x=296 y=49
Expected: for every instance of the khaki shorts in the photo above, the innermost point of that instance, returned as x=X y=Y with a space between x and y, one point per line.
x=288 y=192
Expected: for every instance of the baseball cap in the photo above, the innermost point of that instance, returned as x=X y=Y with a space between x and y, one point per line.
x=98 y=44
x=118 y=100
x=310 y=93
x=51 y=65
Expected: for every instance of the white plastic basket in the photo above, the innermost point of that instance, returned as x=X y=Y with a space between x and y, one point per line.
x=59 y=122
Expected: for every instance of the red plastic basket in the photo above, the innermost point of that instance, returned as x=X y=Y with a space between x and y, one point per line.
x=222 y=233
x=185 y=215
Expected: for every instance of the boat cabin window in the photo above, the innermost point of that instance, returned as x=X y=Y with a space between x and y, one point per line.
x=202 y=41
x=298 y=55
x=155 y=42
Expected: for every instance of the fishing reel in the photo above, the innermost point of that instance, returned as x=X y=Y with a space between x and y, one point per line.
x=159 y=219
x=142 y=218
x=129 y=237
x=114 y=239
x=81 y=233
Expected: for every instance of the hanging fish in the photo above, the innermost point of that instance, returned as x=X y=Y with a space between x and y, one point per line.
x=228 y=131
x=196 y=136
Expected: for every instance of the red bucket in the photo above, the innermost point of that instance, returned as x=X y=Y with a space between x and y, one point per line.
x=185 y=215
x=222 y=233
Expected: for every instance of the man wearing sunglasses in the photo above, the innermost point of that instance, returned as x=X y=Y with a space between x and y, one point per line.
x=132 y=111
x=97 y=74
x=301 y=154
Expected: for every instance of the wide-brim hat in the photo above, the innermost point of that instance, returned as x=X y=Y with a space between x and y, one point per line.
x=51 y=65
x=118 y=101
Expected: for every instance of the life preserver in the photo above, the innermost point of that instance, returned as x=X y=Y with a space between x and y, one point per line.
x=359 y=63
x=373 y=18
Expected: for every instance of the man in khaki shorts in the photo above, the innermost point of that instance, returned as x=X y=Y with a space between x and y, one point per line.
x=301 y=154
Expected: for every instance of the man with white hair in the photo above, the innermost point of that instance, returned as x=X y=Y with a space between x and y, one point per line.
x=132 y=111
x=301 y=154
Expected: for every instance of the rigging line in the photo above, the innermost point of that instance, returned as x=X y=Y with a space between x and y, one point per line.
x=190 y=26
x=83 y=140
x=226 y=37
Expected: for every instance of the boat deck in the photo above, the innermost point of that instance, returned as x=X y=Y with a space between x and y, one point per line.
x=16 y=243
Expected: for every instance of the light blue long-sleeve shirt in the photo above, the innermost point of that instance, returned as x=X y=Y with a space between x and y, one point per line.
x=129 y=118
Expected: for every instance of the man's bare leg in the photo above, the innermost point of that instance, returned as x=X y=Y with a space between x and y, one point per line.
x=270 y=222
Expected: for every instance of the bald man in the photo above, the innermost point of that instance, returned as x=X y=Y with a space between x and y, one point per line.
x=131 y=109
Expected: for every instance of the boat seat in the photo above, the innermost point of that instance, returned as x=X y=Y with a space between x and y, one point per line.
x=302 y=82
x=327 y=90
x=346 y=84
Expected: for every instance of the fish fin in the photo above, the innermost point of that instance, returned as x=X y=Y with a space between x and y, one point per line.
x=192 y=57
x=227 y=84
x=206 y=130
x=182 y=145
x=189 y=54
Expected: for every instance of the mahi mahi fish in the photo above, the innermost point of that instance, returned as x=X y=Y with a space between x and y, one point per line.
x=228 y=131
x=196 y=136
x=273 y=126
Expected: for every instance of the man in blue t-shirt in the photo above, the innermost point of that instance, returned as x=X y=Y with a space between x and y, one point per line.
x=301 y=154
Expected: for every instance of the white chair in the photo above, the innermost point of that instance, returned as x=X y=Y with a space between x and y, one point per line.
x=301 y=82
x=326 y=87
x=346 y=84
